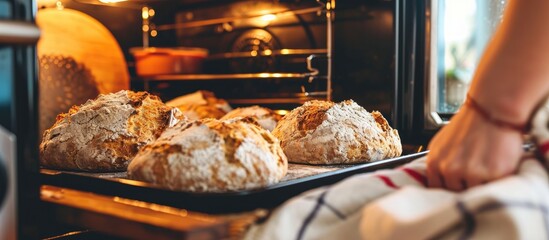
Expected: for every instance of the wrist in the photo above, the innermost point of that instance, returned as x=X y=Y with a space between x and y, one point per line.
x=503 y=118
x=506 y=104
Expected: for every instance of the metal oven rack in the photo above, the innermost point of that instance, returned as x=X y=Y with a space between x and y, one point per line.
x=326 y=8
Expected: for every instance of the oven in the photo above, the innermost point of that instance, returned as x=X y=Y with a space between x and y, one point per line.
x=273 y=53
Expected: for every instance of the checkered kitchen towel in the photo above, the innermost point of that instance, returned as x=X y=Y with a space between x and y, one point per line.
x=395 y=204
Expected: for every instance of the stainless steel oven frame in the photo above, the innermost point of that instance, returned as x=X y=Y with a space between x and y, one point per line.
x=19 y=210
x=414 y=111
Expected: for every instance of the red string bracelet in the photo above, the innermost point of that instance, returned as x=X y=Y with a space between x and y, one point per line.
x=491 y=119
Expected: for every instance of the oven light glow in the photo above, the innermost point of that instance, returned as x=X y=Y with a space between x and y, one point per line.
x=267 y=52
x=111 y=1
x=59 y=5
x=281 y=112
x=263 y=75
x=253 y=53
x=284 y=51
x=268 y=17
x=144 y=12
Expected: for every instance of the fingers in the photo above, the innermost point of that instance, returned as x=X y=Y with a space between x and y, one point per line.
x=473 y=180
x=453 y=173
x=457 y=175
x=471 y=153
x=474 y=176
x=434 y=179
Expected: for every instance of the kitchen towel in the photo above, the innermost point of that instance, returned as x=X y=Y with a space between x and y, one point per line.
x=395 y=204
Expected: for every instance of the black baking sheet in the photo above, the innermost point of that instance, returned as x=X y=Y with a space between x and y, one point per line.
x=300 y=178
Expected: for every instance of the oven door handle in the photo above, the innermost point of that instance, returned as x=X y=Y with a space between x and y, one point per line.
x=17 y=32
x=438 y=120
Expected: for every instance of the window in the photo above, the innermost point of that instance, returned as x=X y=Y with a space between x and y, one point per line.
x=464 y=27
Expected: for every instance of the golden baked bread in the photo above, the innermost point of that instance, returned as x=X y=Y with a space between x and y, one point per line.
x=201 y=104
x=105 y=133
x=211 y=155
x=323 y=132
x=198 y=111
x=266 y=118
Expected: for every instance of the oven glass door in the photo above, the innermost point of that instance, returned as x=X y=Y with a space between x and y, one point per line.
x=460 y=30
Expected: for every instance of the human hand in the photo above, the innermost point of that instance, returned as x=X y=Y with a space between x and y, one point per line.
x=470 y=151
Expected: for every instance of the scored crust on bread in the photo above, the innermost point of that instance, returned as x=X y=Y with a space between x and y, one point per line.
x=211 y=155
x=201 y=104
x=105 y=133
x=266 y=118
x=323 y=132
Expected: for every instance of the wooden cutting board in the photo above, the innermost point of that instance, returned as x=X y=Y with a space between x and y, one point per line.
x=74 y=34
x=78 y=59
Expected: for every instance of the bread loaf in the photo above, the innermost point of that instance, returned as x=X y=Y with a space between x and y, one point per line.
x=266 y=118
x=211 y=155
x=201 y=104
x=322 y=132
x=105 y=133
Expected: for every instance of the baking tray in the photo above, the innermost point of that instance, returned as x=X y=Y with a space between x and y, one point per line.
x=300 y=178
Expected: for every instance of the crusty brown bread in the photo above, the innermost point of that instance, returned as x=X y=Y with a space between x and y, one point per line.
x=201 y=104
x=266 y=118
x=322 y=132
x=198 y=111
x=211 y=155
x=105 y=133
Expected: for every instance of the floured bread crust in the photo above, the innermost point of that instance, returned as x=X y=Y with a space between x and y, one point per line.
x=201 y=104
x=211 y=156
x=266 y=118
x=322 y=132
x=105 y=133
x=197 y=111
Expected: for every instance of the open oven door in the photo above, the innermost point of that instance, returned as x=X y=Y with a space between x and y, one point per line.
x=19 y=192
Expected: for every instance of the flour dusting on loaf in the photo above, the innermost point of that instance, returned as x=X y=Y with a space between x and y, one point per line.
x=211 y=156
x=201 y=104
x=323 y=132
x=266 y=118
x=105 y=133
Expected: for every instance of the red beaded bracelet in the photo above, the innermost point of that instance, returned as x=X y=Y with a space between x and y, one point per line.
x=491 y=119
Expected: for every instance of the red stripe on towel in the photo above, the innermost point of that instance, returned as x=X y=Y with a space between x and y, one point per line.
x=544 y=148
x=416 y=176
x=387 y=181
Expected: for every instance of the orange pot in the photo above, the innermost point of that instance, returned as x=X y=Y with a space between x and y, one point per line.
x=160 y=61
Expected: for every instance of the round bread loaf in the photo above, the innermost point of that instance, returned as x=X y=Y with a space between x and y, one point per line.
x=323 y=132
x=197 y=111
x=201 y=104
x=105 y=133
x=211 y=155
x=266 y=118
